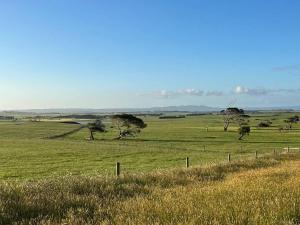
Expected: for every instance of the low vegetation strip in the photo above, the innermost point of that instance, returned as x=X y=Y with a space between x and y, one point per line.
x=172 y=117
x=66 y=134
x=262 y=191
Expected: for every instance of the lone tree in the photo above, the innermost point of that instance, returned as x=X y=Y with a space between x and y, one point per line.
x=97 y=126
x=128 y=125
x=290 y=121
x=231 y=115
x=243 y=130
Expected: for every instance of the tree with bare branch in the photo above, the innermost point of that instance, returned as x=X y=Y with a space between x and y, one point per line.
x=231 y=115
x=127 y=125
x=97 y=126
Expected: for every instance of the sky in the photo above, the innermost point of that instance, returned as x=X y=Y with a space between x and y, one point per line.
x=143 y=53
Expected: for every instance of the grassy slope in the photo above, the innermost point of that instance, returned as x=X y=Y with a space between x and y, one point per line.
x=27 y=154
x=260 y=192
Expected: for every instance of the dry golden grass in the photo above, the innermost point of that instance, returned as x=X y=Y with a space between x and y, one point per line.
x=265 y=196
x=264 y=191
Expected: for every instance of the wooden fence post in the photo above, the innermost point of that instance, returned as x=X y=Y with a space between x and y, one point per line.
x=255 y=154
x=288 y=149
x=118 y=169
x=187 y=162
x=203 y=147
x=229 y=157
x=274 y=152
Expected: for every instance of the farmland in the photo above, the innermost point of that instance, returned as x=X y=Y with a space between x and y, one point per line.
x=27 y=152
x=48 y=177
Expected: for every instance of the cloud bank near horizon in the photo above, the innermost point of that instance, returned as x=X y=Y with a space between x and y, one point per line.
x=181 y=93
x=264 y=91
x=237 y=91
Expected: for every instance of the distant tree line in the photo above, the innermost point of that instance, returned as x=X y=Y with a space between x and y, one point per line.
x=7 y=117
x=172 y=117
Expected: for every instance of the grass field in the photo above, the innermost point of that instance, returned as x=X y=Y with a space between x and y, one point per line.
x=26 y=152
x=254 y=192
x=68 y=180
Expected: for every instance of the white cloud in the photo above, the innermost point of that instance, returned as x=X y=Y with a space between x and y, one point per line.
x=241 y=90
x=250 y=91
x=190 y=91
x=263 y=91
x=173 y=94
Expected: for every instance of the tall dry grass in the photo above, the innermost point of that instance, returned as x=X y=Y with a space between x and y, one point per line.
x=263 y=191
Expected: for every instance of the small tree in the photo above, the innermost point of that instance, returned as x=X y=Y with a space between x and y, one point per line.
x=128 y=125
x=97 y=126
x=231 y=115
x=290 y=121
x=243 y=130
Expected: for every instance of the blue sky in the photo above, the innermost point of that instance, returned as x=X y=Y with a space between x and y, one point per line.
x=138 y=53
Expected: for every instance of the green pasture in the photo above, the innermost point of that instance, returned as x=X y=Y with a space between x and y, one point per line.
x=26 y=152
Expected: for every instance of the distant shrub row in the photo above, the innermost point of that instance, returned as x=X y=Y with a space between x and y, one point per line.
x=172 y=117
x=198 y=114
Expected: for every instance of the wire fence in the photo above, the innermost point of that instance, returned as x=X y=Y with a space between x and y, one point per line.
x=230 y=157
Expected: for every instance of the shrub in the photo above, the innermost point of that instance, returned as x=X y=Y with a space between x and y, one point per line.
x=266 y=123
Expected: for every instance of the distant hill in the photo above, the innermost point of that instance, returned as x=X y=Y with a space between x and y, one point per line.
x=187 y=108
x=182 y=108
